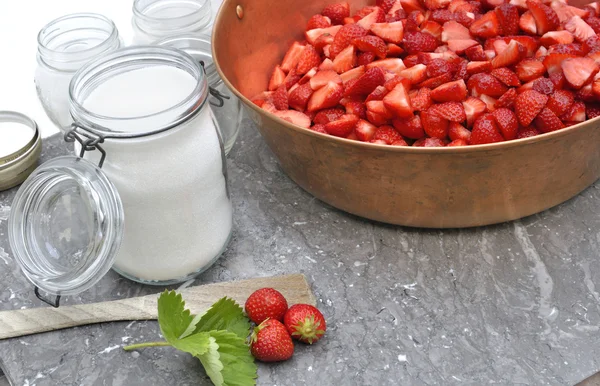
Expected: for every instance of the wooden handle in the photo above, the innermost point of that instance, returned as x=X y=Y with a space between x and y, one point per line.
x=35 y=320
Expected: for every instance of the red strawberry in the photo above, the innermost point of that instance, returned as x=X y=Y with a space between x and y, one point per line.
x=290 y=61
x=438 y=67
x=415 y=74
x=508 y=17
x=277 y=79
x=545 y=18
x=507 y=99
x=397 y=102
x=345 y=60
x=546 y=121
x=579 y=70
x=365 y=131
x=543 y=85
x=365 y=58
x=474 y=107
x=393 y=80
x=575 y=113
x=527 y=132
x=432 y=28
x=476 y=53
x=376 y=15
x=271 y=342
x=376 y=118
x=387 y=134
x=572 y=49
x=592 y=21
x=355 y=73
x=592 y=44
x=345 y=36
x=527 y=23
x=485 y=130
x=455 y=31
x=442 y=16
x=460 y=46
x=486 y=84
x=434 y=125
x=357 y=108
x=553 y=63
x=386 y=5
x=315 y=35
x=529 y=70
x=337 y=12
x=451 y=111
x=305 y=323
x=298 y=97
x=343 y=126
x=415 y=42
x=414 y=20
x=507 y=122
x=429 y=142
x=489 y=102
x=322 y=42
x=309 y=59
x=513 y=53
x=422 y=99
x=308 y=76
x=410 y=128
x=378 y=94
x=586 y=93
x=528 y=105
x=266 y=303
x=399 y=142
x=506 y=76
x=318 y=21
x=291 y=79
x=560 y=102
x=556 y=37
x=487 y=26
x=529 y=42
x=458 y=142
x=318 y=128
x=394 y=65
x=372 y=44
x=436 y=4
x=477 y=67
x=367 y=82
x=579 y=28
x=321 y=79
x=436 y=82
x=456 y=131
x=565 y=12
x=462 y=72
x=394 y=50
x=280 y=98
x=323 y=117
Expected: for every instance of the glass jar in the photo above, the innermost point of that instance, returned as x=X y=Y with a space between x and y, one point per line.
x=156 y=19
x=157 y=205
x=64 y=45
x=226 y=107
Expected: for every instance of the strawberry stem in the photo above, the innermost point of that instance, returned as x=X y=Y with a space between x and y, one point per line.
x=147 y=344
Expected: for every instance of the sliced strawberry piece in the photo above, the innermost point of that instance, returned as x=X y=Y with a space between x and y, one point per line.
x=413 y=21
x=337 y=12
x=586 y=93
x=474 y=107
x=298 y=97
x=415 y=42
x=434 y=125
x=593 y=22
x=527 y=132
x=308 y=76
x=560 y=102
x=326 y=65
x=416 y=73
x=344 y=38
x=486 y=84
x=436 y=4
x=345 y=60
x=451 y=111
x=460 y=46
x=357 y=108
x=292 y=57
x=460 y=5
x=410 y=128
x=591 y=45
x=458 y=142
x=461 y=72
x=429 y=142
x=513 y=53
x=318 y=21
x=553 y=63
x=477 y=67
x=507 y=99
x=579 y=28
x=456 y=131
x=309 y=59
x=321 y=78
x=323 y=117
x=455 y=91
x=487 y=26
x=541 y=53
x=260 y=99
x=556 y=37
x=596 y=87
x=508 y=17
x=378 y=94
x=314 y=35
x=529 y=42
x=529 y=70
x=411 y=5
x=432 y=28
x=572 y=49
x=355 y=73
x=367 y=82
x=489 y=102
x=452 y=30
x=377 y=119
x=545 y=18
x=387 y=134
x=436 y=82
x=527 y=23
x=318 y=129
x=528 y=105
x=294 y=117
x=485 y=130
x=277 y=79
x=576 y=113
x=365 y=131
x=437 y=67
x=592 y=110
x=475 y=53
x=579 y=70
x=546 y=121
x=543 y=86
x=372 y=44
x=391 y=80
x=526 y=87
x=365 y=58
x=507 y=123
x=343 y=126
x=566 y=12
x=280 y=98
x=378 y=107
x=386 y=5
x=411 y=60
x=323 y=41
x=506 y=76
x=397 y=102
x=399 y=142
x=376 y=16
x=394 y=65
x=394 y=50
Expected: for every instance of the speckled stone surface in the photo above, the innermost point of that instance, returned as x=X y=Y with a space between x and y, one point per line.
x=513 y=304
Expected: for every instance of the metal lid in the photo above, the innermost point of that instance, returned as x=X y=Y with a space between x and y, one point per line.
x=20 y=148
x=66 y=225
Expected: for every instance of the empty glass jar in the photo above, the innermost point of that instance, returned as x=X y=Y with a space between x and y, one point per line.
x=64 y=46
x=157 y=19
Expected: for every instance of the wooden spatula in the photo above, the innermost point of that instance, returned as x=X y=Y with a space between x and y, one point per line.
x=35 y=320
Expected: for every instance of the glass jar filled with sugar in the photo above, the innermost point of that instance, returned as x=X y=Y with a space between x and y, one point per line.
x=148 y=195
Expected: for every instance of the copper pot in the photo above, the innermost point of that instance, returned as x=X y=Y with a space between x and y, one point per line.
x=420 y=187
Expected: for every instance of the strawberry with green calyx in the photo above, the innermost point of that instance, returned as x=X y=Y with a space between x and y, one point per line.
x=271 y=342
x=305 y=323
x=266 y=303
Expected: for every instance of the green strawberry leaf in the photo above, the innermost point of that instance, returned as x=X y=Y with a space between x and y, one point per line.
x=225 y=314
x=196 y=344
x=212 y=364
x=173 y=318
x=236 y=363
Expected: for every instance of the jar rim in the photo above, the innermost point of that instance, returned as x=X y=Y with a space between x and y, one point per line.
x=139 y=12
x=115 y=63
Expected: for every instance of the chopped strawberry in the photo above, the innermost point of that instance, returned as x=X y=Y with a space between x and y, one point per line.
x=429 y=142
x=571 y=49
x=308 y=76
x=280 y=98
x=485 y=130
x=365 y=131
x=265 y=96
x=321 y=78
x=474 y=107
x=487 y=26
x=486 y=84
x=326 y=97
x=456 y=131
x=546 y=121
x=477 y=67
x=507 y=122
x=566 y=12
x=318 y=129
x=364 y=58
x=432 y=28
x=355 y=73
x=399 y=142
x=337 y=12
x=543 y=86
x=394 y=50
x=328 y=115
x=394 y=65
x=451 y=111
x=411 y=5
x=434 y=125
x=292 y=57
x=489 y=102
x=526 y=87
x=452 y=91
x=442 y=16
x=436 y=82
x=506 y=76
x=387 y=134
x=507 y=99
x=309 y=59
x=277 y=79
x=367 y=82
x=529 y=42
x=560 y=102
x=372 y=44
x=452 y=30
x=586 y=93
x=343 y=126
x=378 y=107
x=378 y=94
x=397 y=101
x=318 y=21
x=475 y=53
x=411 y=60
x=462 y=71
x=410 y=128
x=575 y=113
x=556 y=37
x=513 y=53
x=527 y=23
x=357 y=108
x=322 y=42
x=529 y=70
x=579 y=28
x=377 y=119
x=508 y=17
x=298 y=97
x=545 y=18
x=553 y=63
x=415 y=42
x=294 y=117
x=420 y=99
x=528 y=105
x=592 y=44
x=413 y=21
x=460 y=46
x=596 y=87
x=386 y=5
x=345 y=60
x=593 y=22
x=527 y=132
x=579 y=70
x=592 y=110
x=415 y=74
x=437 y=67
x=314 y=35
x=344 y=38
x=436 y=4
x=391 y=80
x=376 y=16
x=458 y=142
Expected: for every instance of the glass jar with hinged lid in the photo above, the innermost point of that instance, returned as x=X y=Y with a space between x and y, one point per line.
x=148 y=193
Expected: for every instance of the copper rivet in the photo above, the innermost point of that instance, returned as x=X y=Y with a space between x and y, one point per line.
x=240 y=12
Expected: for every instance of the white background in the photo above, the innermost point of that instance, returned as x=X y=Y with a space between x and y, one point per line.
x=20 y=22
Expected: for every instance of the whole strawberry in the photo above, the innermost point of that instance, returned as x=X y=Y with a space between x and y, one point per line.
x=305 y=323
x=271 y=342
x=266 y=303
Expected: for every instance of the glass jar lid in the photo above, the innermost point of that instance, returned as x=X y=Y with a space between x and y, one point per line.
x=66 y=225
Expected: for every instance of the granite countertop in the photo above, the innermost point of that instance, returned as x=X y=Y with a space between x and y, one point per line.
x=509 y=304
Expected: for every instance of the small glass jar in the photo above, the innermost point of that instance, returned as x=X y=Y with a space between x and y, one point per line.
x=64 y=45
x=157 y=205
x=225 y=105
x=157 y=19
